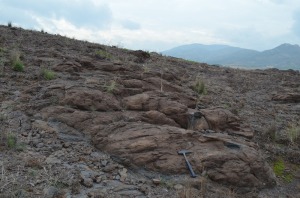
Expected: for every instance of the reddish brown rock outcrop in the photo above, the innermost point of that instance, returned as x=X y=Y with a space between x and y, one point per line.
x=87 y=99
x=220 y=119
x=226 y=160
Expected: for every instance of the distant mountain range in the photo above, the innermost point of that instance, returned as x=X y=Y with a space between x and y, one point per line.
x=285 y=56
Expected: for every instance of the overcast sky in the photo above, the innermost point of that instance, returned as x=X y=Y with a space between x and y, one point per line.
x=158 y=25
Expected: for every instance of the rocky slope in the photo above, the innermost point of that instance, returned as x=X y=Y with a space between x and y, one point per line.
x=87 y=120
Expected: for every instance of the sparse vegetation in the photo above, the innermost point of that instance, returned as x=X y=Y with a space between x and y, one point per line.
x=111 y=87
x=278 y=167
x=11 y=140
x=102 y=54
x=48 y=74
x=165 y=183
x=271 y=132
x=279 y=170
x=9 y=24
x=146 y=69
x=293 y=132
x=16 y=62
x=18 y=65
x=199 y=87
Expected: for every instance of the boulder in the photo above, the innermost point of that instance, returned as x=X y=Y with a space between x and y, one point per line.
x=220 y=119
x=225 y=160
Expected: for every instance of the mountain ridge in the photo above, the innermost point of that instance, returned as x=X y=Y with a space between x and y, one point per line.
x=284 y=56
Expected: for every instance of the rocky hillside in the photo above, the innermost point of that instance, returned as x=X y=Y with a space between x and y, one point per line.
x=80 y=119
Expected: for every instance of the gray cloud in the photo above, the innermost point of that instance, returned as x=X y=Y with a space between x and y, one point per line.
x=79 y=13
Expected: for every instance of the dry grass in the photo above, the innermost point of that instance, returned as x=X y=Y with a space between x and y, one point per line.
x=189 y=190
x=199 y=87
x=293 y=132
x=15 y=59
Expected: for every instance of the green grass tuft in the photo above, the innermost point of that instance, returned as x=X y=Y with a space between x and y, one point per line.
x=102 y=54
x=48 y=74
x=16 y=62
x=11 y=141
x=199 y=87
x=279 y=170
x=18 y=66
x=279 y=167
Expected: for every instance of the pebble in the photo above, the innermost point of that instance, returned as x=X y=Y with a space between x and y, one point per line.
x=178 y=187
x=156 y=181
x=104 y=162
x=66 y=145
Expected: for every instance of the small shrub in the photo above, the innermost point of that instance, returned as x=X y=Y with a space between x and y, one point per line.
x=271 y=132
x=111 y=87
x=146 y=69
x=18 y=66
x=288 y=178
x=199 y=87
x=293 y=132
x=279 y=170
x=279 y=167
x=9 y=24
x=11 y=140
x=48 y=74
x=16 y=62
x=102 y=54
